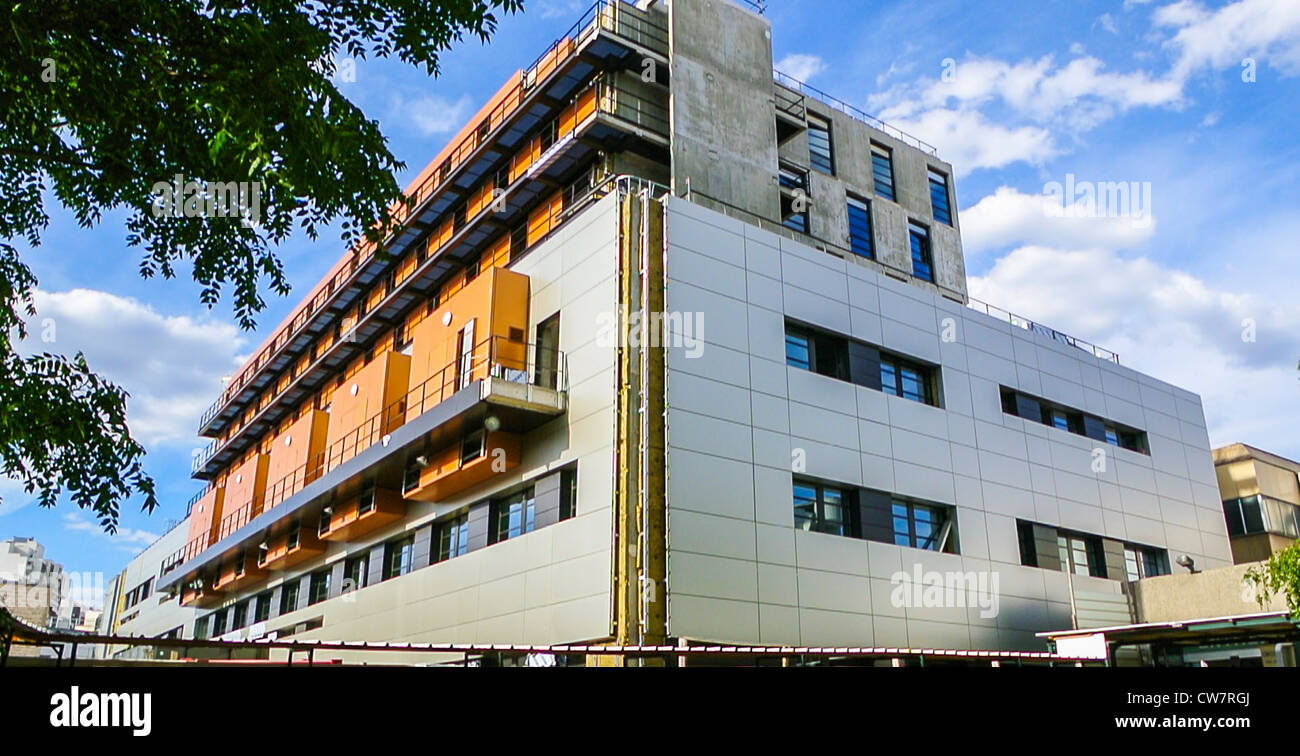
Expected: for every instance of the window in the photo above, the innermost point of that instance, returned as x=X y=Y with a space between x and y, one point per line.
x=822 y=509
x=882 y=171
x=291 y=537
x=568 y=493
x=939 y=198
x=289 y=596
x=1262 y=514
x=356 y=572
x=547 y=353
x=399 y=557
x=1081 y=554
x=907 y=379
x=820 y=150
x=922 y=263
x=146 y=588
x=860 y=228
x=1028 y=544
x=219 y=624
x=262 y=607
x=239 y=617
x=201 y=628
x=1073 y=421
x=465 y=347
x=921 y=526
x=453 y=537
x=411 y=478
x=472 y=447
x=817 y=351
x=513 y=515
x=1143 y=562
x=320 y=587
x=367 y=501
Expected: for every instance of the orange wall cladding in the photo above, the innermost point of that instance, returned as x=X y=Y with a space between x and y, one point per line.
x=297 y=456
x=245 y=489
x=496 y=302
x=367 y=405
x=348 y=522
x=205 y=519
x=281 y=554
x=447 y=474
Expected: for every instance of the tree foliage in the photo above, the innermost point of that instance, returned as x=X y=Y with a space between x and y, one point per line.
x=1278 y=576
x=100 y=102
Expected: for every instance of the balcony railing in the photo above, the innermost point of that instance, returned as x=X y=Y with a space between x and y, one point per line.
x=1042 y=330
x=807 y=89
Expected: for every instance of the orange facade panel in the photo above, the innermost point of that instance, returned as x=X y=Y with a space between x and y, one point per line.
x=462 y=466
x=245 y=494
x=290 y=548
x=205 y=520
x=296 y=456
x=238 y=573
x=459 y=341
x=360 y=515
x=367 y=406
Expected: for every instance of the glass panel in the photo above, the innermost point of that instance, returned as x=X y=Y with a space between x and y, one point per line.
x=797 y=353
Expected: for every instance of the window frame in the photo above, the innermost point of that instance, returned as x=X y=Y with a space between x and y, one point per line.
x=818 y=158
x=852 y=203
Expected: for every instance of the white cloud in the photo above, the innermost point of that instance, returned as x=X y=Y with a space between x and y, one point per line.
x=170 y=365
x=1268 y=30
x=969 y=141
x=1009 y=217
x=125 y=539
x=430 y=115
x=801 y=66
x=1107 y=22
x=1168 y=324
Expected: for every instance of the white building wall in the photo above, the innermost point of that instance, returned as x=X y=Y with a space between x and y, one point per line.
x=738 y=569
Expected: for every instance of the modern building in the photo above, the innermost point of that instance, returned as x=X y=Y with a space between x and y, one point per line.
x=674 y=349
x=134 y=607
x=1261 y=500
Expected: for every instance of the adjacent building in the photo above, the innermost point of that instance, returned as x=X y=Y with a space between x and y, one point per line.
x=672 y=348
x=1261 y=500
x=133 y=606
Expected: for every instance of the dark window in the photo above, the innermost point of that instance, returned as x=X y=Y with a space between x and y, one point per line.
x=239 y=617
x=1028 y=546
x=1072 y=421
x=547 y=353
x=513 y=515
x=262 y=607
x=411 y=478
x=472 y=447
x=882 y=171
x=860 y=228
x=399 y=557
x=922 y=263
x=819 y=352
x=201 y=628
x=1144 y=562
x=568 y=493
x=939 y=198
x=356 y=572
x=289 y=596
x=367 y=500
x=907 y=379
x=453 y=537
x=219 y=623
x=922 y=526
x=291 y=537
x=822 y=509
x=820 y=150
x=320 y=587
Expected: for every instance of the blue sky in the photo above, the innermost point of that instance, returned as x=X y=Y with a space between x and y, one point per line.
x=1015 y=95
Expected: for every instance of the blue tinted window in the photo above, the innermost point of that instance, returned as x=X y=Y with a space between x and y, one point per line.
x=882 y=170
x=921 y=263
x=859 y=228
x=939 y=197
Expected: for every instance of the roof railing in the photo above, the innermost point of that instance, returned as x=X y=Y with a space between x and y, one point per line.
x=809 y=90
x=1042 y=330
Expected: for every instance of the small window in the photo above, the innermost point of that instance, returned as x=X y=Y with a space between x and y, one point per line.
x=472 y=447
x=922 y=261
x=289 y=596
x=822 y=509
x=453 y=537
x=291 y=538
x=356 y=572
x=1143 y=562
x=568 y=493
x=820 y=146
x=882 y=171
x=860 y=242
x=921 y=526
x=513 y=515
x=817 y=351
x=367 y=501
x=219 y=624
x=399 y=557
x=1028 y=545
x=939 y=198
x=239 y=617
x=907 y=379
x=262 y=607
x=411 y=478
x=201 y=629
x=1081 y=554
x=320 y=587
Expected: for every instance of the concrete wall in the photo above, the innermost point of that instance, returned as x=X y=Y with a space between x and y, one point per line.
x=1212 y=593
x=721 y=111
x=738 y=569
x=548 y=586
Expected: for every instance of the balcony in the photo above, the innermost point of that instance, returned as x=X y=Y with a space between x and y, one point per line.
x=238 y=573
x=288 y=549
x=457 y=467
x=373 y=509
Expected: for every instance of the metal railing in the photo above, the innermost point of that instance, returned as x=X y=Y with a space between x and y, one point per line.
x=1042 y=330
x=807 y=89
